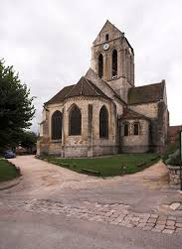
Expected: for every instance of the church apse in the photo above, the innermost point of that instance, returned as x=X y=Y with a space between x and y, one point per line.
x=104 y=113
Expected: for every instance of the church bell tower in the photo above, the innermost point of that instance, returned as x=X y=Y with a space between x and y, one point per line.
x=113 y=59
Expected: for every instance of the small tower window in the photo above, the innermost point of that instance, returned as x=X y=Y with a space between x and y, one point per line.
x=100 y=65
x=136 y=129
x=114 y=63
x=107 y=37
x=126 y=129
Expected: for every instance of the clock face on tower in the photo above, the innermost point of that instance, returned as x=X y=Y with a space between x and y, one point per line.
x=106 y=46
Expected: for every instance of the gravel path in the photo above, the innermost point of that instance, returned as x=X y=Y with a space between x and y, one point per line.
x=133 y=201
x=41 y=178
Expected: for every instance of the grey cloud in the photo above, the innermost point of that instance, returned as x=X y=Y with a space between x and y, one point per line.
x=48 y=42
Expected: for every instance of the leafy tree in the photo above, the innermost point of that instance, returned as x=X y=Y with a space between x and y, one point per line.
x=16 y=106
x=28 y=140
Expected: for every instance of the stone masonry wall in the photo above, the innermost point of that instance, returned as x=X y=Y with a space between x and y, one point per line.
x=81 y=145
x=125 y=57
x=106 y=89
x=125 y=73
x=149 y=109
x=158 y=129
x=174 y=175
x=136 y=143
x=89 y=142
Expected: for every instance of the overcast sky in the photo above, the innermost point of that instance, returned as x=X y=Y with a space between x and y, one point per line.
x=48 y=42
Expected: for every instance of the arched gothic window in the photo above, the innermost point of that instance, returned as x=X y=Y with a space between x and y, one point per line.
x=136 y=129
x=101 y=65
x=131 y=69
x=114 y=63
x=128 y=67
x=75 y=121
x=126 y=129
x=103 y=122
x=56 y=124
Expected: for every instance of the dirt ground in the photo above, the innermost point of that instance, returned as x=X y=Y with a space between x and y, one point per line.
x=41 y=178
x=53 y=207
x=144 y=191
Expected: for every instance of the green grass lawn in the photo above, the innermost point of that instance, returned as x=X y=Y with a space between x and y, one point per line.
x=7 y=171
x=108 y=166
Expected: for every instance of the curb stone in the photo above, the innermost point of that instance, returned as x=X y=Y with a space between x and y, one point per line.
x=10 y=184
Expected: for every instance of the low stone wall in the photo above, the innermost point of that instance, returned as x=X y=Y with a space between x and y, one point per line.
x=105 y=150
x=174 y=175
x=75 y=151
x=83 y=151
x=135 y=149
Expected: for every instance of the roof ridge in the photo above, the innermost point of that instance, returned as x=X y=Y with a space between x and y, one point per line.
x=114 y=26
x=158 y=83
x=91 y=84
x=58 y=96
x=97 y=89
x=82 y=85
x=115 y=93
x=139 y=114
x=74 y=86
x=146 y=93
x=68 y=86
x=105 y=82
x=70 y=90
x=85 y=87
x=108 y=22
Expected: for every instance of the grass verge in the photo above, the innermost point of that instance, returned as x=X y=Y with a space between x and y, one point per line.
x=7 y=171
x=107 y=166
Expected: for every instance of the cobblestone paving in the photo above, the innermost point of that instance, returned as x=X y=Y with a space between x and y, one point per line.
x=116 y=214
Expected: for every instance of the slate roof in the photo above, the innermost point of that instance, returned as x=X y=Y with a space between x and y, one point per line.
x=84 y=87
x=59 y=97
x=130 y=114
x=146 y=94
x=91 y=73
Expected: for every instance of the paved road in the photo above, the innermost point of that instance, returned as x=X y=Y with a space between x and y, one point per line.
x=53 y=207
x=22 y=230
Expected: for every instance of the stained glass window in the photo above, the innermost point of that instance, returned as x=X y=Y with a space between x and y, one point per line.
x=103 y=122
x=75 y=121
x=57 y=125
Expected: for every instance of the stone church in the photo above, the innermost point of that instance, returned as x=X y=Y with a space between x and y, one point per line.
x=104 y=112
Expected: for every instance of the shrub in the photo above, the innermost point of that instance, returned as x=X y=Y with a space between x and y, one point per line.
x=172 y=154
x=174 y=159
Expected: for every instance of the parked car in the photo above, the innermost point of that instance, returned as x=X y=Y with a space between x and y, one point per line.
x=9 y=154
